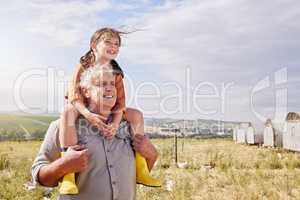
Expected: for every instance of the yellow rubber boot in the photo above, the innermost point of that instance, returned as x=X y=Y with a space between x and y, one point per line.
x=68 y=185
x=142 y=172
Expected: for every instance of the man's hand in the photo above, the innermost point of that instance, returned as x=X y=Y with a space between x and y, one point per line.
x=75 y=159
x=142 y=144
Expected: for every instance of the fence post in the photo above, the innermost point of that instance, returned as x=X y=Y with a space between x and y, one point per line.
x=175 y=147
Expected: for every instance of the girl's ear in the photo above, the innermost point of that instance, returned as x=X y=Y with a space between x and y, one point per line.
x=93 y=46
x=86 y=93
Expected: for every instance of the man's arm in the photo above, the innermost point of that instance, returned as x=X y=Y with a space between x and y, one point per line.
x=48 y=167
x=73 y=161
x=143 y=145
x=50 y=174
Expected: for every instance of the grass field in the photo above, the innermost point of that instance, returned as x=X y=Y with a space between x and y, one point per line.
x=216 y=169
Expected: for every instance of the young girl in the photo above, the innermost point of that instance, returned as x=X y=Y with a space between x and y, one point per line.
x=104 y=48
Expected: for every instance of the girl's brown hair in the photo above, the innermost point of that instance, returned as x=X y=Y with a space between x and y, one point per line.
x=89 y=58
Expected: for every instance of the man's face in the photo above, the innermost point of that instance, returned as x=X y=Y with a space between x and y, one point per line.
x=103 y=91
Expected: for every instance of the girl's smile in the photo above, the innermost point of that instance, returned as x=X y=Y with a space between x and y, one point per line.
x=107 y=49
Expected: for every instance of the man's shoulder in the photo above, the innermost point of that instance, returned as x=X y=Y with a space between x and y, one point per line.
x=51 y=138
x=55 y=123
x=53 y=128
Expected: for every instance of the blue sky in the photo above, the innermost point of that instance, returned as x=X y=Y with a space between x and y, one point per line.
x=176 y=66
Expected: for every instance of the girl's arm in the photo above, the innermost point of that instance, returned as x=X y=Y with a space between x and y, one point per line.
x=74 y=93
x=75 y=97
x=119 y=108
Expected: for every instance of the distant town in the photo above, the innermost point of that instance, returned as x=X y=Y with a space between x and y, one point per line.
x=190 y=128
x=32 y=127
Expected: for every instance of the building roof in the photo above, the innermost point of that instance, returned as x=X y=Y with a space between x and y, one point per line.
x=293 y=116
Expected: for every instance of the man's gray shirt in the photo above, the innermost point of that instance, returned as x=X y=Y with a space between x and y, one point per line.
x=110 y=173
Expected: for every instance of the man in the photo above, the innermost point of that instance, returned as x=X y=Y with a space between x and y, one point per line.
x=106 y=168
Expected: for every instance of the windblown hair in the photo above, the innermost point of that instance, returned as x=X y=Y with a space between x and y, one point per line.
x=95 y=71
x=89 y=58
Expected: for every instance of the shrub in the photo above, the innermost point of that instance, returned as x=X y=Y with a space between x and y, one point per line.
x=4 y=161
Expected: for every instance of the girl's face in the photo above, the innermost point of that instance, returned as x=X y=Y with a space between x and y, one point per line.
x=107 y=48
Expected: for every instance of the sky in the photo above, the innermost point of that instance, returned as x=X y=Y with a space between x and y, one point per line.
x=232 y=60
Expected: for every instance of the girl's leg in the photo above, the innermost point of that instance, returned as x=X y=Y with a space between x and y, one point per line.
x=67 y=129
x=136 y=120
x=67 y=138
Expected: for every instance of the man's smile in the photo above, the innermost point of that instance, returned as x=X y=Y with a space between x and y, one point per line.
x=108 y=96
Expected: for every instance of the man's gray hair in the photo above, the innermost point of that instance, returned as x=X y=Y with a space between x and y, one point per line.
x=89 y=73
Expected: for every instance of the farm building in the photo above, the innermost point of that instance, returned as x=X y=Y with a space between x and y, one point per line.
x=273 y=134
x=291 y=138
x=241 y=133
x=234 y=133
x=253 y=137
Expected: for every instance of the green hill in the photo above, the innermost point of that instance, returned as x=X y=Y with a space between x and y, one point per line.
x=18 y=127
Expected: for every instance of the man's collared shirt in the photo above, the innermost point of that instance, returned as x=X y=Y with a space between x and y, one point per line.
x=110 y=174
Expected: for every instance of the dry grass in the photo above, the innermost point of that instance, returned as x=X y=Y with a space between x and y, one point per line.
x=220 y=169
x=217 y=169
x=15 y=161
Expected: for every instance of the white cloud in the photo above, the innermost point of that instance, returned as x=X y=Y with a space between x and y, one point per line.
x=220 y=41
x=210 y=34
x=65 y=22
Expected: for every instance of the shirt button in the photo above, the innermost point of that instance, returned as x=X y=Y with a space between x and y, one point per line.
x=110 y=166
x=114 y=182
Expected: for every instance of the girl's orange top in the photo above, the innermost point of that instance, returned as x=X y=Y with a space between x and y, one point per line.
x=74 y=90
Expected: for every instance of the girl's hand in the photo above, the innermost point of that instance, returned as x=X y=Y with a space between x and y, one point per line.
x=97 y=121
x=111 y=132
